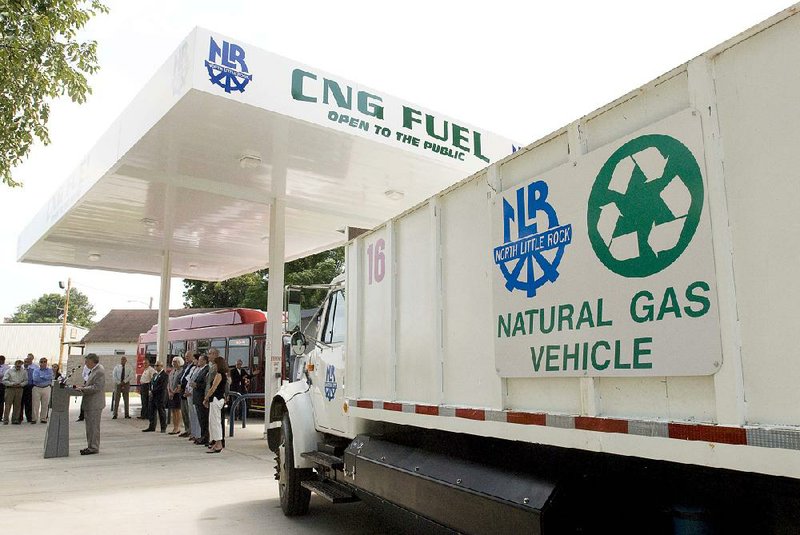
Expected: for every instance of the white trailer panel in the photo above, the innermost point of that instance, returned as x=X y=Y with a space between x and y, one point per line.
x=416 y=354
x=376 y=331
x=757 y=83
x=469 y=374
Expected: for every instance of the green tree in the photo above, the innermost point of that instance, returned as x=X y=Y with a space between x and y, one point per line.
x=40 y=59
x=227 y=293
x=250 y=290
x=49 y=307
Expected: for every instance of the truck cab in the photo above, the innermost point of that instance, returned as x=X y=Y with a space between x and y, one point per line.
x=325 y=363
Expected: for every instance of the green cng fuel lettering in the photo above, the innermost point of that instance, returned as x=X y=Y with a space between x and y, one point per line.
x=362 y=110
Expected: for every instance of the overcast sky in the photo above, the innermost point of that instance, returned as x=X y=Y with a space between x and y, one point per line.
x=519 y=69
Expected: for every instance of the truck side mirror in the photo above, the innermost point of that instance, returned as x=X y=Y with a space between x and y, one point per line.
x=292 y=309
x=299 y=344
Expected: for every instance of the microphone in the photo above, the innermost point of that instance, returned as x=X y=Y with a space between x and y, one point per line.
x=68 y=376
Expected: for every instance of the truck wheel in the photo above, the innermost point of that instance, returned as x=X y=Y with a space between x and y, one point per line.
x=294 y=498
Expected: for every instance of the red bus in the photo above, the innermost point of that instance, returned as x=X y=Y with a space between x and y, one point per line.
x=237 y=333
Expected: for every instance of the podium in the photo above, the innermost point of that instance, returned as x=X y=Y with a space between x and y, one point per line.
x=56 y=439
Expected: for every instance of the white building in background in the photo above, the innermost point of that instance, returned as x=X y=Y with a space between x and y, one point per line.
x=41 y=339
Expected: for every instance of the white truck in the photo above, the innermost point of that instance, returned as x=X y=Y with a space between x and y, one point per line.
x=596 y=334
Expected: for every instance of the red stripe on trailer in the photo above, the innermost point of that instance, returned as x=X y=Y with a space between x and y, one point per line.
x=526 y=418
x=606 y=425
x=471 y=414
x=431 y=410
x=708 y=433
x=675 y=430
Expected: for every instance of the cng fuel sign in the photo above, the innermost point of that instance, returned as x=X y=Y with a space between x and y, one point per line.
x=604 y=267
x=230 y=68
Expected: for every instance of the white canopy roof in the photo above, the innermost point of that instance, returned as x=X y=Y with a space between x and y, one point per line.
x=192 y=164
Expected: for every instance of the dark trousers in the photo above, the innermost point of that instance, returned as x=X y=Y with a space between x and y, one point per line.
x=156 y=408
x=144 y=390
x=222 y=420
x=2 y=398
x=27 y=402
x=202 y=417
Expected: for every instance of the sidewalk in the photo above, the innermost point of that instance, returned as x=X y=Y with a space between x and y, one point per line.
x=152 y=483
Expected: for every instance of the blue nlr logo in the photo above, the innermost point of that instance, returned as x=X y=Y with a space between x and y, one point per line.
x=226 y=66
x=330 y=382
x=530 y=256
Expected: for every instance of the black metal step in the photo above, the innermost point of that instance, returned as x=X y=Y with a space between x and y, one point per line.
x=333 y=447
x=330 y=490
x=324 y=459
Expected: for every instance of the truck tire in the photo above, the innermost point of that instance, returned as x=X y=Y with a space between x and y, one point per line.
x=294 y=498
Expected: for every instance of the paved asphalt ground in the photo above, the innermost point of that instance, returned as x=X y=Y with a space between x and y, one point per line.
x=155 y=483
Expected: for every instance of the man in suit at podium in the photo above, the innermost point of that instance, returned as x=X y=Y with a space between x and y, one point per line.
x=94 y=399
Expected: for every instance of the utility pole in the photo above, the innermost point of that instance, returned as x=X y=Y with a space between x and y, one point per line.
x=150 y=306
x=64 y=324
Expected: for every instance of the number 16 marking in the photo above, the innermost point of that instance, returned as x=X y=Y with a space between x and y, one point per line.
x=377 y=260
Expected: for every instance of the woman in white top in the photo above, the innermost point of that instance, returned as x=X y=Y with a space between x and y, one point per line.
x=214 y=400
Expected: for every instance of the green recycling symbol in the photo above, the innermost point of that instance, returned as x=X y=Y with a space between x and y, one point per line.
x=645 y=205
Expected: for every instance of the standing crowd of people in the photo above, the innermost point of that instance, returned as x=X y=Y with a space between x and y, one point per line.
x=194 y=391
x=25 y=390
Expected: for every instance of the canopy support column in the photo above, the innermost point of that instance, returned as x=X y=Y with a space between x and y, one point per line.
x=277 y=235
x=275 y=284
x=163 y=308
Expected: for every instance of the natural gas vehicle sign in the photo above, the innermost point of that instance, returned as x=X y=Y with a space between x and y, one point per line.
x=605 y=267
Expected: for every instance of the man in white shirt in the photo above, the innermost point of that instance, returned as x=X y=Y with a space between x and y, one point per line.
x=15 y=380
x=123 y=375
x=144 y=389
